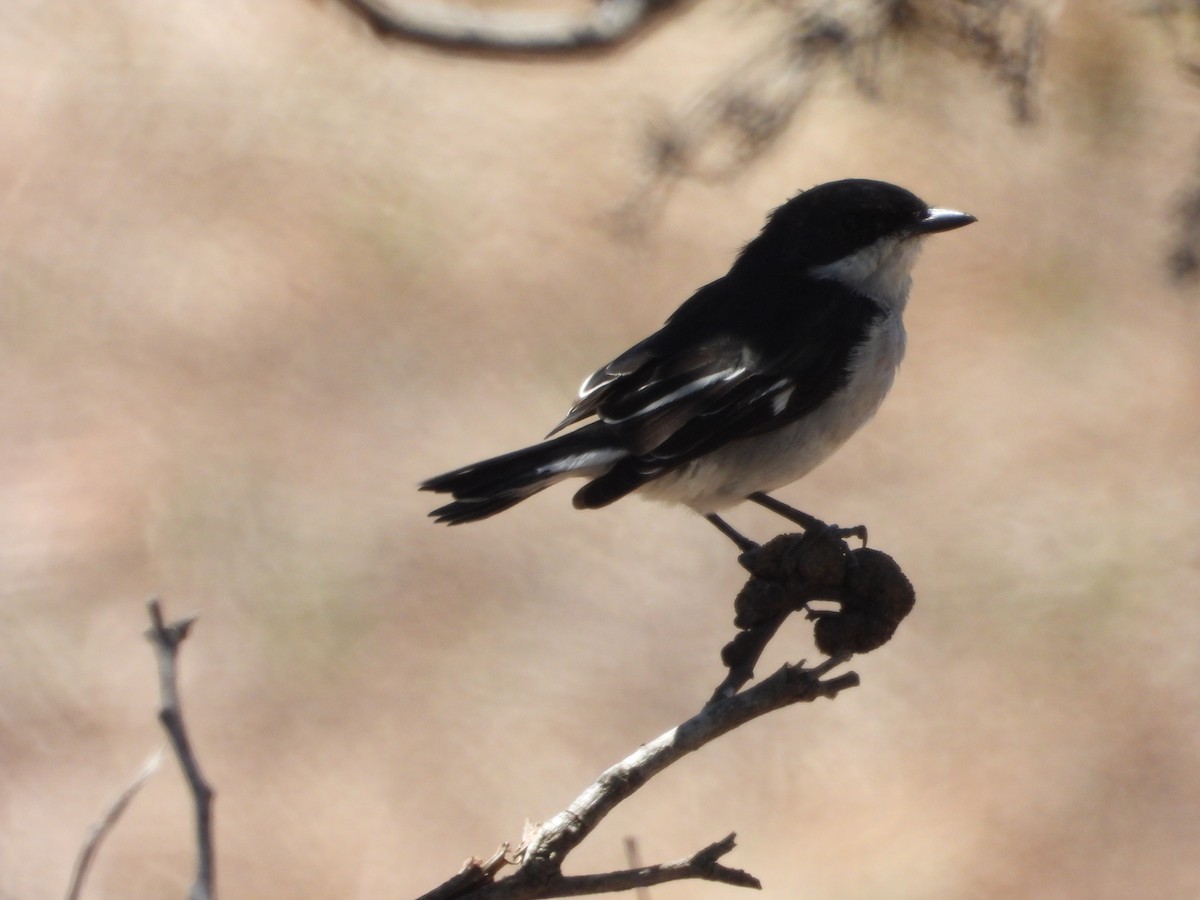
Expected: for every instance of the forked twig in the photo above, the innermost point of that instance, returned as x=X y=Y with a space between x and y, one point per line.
x=166 y=639
x=539 y=874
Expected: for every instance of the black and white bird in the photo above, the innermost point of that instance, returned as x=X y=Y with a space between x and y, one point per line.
x=756 y=379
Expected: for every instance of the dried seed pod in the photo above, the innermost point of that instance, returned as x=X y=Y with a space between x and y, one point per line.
x=876 y=599
x=813 y=561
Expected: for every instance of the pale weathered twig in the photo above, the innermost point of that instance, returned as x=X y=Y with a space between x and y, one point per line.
x=539 y=874
x=101 y=829
x=166 y=639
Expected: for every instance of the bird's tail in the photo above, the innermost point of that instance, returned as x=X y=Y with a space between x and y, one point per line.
x=493 y=485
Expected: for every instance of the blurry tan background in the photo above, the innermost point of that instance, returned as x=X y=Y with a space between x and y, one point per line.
x=260 y=273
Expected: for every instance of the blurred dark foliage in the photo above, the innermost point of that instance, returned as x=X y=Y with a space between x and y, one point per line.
x=1180 y=20
x=738 y=119
x=1184 y=260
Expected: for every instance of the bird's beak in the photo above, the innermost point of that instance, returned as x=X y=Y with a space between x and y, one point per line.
x=937 y=219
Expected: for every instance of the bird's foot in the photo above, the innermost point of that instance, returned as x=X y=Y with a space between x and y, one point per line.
x=805 y=521
x=857 y=531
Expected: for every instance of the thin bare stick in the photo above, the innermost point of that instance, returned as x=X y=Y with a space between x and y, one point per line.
x=166 y=639
x=702 y=865
x=101 y=829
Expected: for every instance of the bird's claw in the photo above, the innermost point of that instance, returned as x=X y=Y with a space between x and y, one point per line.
x=857 y=531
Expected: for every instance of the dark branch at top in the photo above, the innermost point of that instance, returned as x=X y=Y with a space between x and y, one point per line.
x=465 y=28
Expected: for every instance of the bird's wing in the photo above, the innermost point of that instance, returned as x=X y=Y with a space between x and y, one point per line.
x=648 y=406
x=599 y=384
x=640 y=363
x=698 y=382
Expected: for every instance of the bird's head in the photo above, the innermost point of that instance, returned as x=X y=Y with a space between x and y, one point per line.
x=860 y=232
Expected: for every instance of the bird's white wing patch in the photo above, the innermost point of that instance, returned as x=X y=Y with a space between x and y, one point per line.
x=783 y=394
x=679 y=394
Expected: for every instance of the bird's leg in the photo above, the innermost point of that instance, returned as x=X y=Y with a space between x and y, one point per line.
x=804 y=520
x=744 y=543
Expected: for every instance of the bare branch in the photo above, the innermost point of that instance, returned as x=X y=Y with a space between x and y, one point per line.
x=791 y=684
x=101 y=829
x=539 y=874
x=787 y=574
x=462 y=27
x=166 y=639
